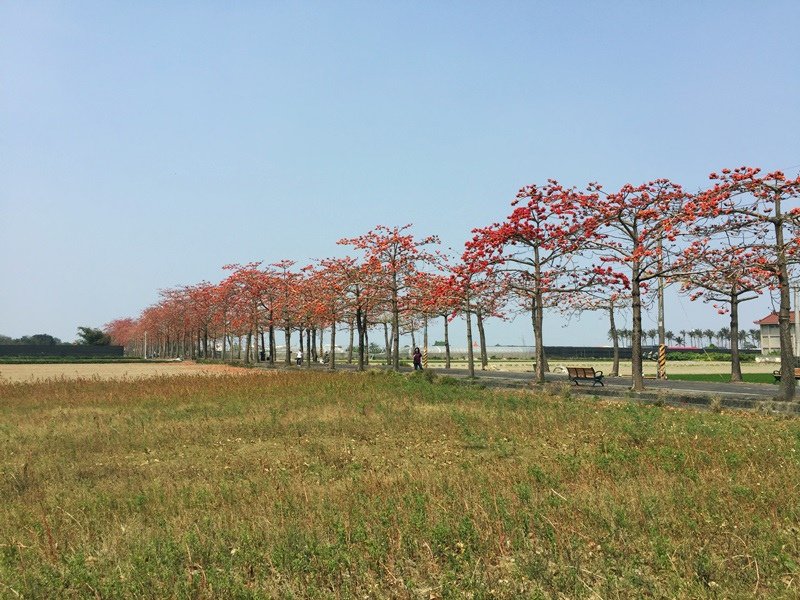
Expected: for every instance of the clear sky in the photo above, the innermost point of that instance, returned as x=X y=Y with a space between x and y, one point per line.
x=145 y=144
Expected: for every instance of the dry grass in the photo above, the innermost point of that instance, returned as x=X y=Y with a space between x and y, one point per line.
x=106 y=371
x=306 y=485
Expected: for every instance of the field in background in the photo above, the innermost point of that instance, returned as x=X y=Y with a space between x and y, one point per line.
x=33 y=372
x=314 y=485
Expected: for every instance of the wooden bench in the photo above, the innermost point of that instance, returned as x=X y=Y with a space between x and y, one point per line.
x=576 y=374
x=777 y=374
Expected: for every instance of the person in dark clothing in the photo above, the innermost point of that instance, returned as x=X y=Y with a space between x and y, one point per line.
x=417 y=359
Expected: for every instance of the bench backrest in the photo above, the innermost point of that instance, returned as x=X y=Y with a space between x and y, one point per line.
x=581 y=372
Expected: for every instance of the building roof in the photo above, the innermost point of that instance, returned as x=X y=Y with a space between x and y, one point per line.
x=772 y=319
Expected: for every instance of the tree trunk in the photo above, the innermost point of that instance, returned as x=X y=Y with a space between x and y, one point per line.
x=255 y=343
x=446 y=343
x=350 y=349
x=272 y=344
x=247 y=350
x=787 y=383
x=359 y=325
x=365 y=332
x=637 y=375
x=395 y=325
x=333 y=346
x=482 y=339
x=287 y=336
x=388 y=344
x=470 y=354
x=309 y=347
x=537 y=320
x=614 y=341
x=736 y=365
x=263 y=345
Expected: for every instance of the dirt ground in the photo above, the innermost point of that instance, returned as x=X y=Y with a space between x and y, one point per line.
x=17 y=373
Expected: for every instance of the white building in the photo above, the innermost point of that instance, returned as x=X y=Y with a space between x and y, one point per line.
x=770 y=336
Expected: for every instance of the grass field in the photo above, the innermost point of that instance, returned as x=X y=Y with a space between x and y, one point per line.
x=316 y=485
x=724 y=377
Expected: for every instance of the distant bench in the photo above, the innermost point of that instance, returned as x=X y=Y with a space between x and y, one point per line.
x=777 y=374
x=576 y=374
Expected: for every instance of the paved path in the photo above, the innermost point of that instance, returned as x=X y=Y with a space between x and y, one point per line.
x=696 y=393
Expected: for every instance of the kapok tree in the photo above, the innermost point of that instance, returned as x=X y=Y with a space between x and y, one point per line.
x=430 y=298
x=766 y=210
x=462 y=285
x=537 y=245
x=123 y=332
x=725 y=276
x=635 y=234
x=438 y=299
x=334 y=277
x=393 y=255
x=286 y=283
x=249 y=283
x=491 y=293
x=357 y=291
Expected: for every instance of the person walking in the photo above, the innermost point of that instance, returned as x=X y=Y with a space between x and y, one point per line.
x=299 y=357
x=417 y=359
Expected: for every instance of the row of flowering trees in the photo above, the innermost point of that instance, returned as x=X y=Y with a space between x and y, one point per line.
x=559 y=248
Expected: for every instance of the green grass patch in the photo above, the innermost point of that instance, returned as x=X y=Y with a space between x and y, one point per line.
x=377 y=485
x=724 y=377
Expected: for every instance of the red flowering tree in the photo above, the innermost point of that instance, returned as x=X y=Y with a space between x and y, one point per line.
x=725 y=276
x=635 y=233
x=123 y=332
x=763 y=210
x=392 y=255
x=462 y=286
x=439 y=299
x=335 y=277
x=537 y=246
x=249 y=285
x=286 y=284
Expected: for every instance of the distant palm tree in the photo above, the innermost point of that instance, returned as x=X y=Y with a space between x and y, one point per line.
x=652 y=334
x=709 y=335
x=683 y=337
x=724 y=336
x=755 y=335
x=670 y=337
x=679 y=339
x=698 y=337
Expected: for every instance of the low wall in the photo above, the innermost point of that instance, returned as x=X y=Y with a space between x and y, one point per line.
x=79 y=351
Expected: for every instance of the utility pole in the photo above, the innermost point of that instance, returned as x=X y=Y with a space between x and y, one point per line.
x=662 y=335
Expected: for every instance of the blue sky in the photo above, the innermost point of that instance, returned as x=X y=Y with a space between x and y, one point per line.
x=145 y=144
